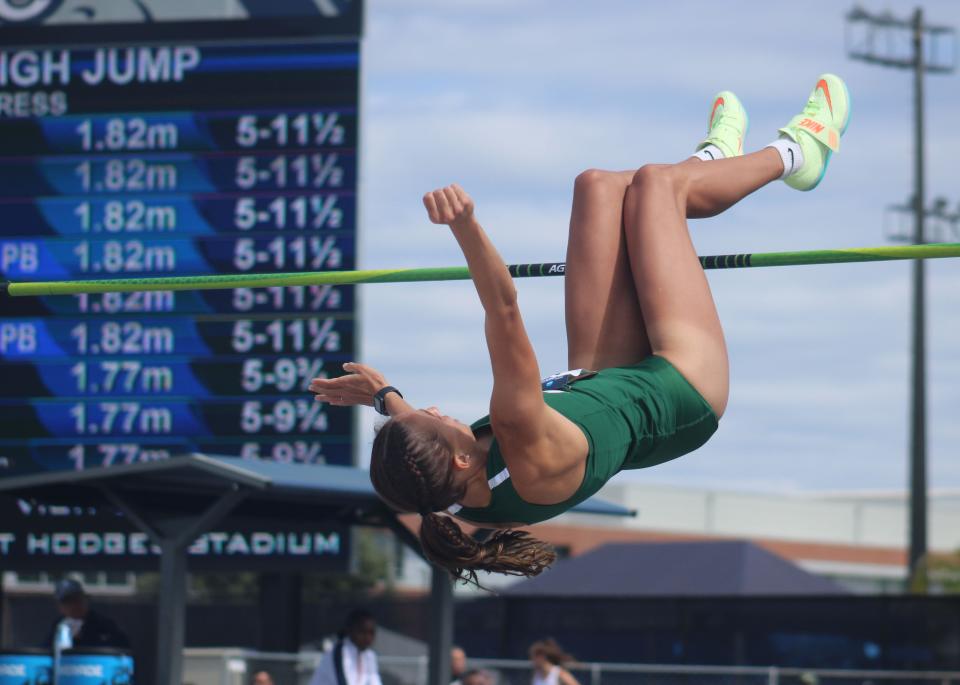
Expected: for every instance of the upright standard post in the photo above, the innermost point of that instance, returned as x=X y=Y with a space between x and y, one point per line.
x=918 y=438
x=441 y=627
x=172 y=612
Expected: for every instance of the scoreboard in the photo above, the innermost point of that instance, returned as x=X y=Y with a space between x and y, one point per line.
x=144 y=158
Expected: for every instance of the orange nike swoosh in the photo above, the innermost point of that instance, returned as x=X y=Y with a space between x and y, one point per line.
x=826 y=91
x=717 y=103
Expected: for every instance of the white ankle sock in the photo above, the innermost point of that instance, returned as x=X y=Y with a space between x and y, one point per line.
x=790 y=154
x=708 y=153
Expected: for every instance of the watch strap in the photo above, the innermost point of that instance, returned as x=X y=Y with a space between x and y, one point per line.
x=380 y=399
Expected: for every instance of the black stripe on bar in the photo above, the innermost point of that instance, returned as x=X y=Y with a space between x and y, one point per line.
x=725 y=261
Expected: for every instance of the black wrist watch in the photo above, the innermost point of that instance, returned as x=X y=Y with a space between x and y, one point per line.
x=380 y=399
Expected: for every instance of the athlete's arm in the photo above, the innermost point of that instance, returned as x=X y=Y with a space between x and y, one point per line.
x=357 y=386
x=566 y=678
x=516 y=404
x=543 y=450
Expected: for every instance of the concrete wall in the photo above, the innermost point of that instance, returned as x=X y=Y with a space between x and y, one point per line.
x=852 y=520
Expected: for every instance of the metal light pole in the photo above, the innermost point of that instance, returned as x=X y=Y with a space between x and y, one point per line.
x=893 y=42
x=940 y=224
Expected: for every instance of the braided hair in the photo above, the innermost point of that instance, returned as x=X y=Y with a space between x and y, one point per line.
x=412 y=471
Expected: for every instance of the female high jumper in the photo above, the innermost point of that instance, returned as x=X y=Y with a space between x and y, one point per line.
x=651 y=370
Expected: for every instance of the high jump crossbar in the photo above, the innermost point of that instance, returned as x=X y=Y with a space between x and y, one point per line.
x=455 y=273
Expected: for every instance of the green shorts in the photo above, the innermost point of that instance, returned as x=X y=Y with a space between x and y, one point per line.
x=637 y=416
x=632 y=416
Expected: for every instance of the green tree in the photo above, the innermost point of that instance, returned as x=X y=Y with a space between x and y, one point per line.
x=372 y=563
x=944 y=572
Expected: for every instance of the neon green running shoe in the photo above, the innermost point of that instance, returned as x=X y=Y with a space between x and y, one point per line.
x=817 y=129
x=727 y=126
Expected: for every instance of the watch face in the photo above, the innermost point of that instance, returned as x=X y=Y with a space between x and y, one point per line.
x=379 y=403
x=380 y=399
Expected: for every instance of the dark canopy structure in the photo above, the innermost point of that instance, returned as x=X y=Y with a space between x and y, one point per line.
x=722 y=568
x=175 y=501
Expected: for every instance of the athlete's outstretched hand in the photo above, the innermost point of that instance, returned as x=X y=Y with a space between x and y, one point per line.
x=357 y=386
x=450 y=205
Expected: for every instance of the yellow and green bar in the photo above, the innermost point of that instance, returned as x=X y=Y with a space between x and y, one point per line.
x=456 y=273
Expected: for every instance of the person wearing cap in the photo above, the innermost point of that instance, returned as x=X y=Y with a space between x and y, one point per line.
x=88 y=627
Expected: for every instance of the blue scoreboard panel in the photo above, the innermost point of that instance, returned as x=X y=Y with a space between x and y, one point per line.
x=147 y=158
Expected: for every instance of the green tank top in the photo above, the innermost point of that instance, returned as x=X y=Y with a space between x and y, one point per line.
x=632 y=417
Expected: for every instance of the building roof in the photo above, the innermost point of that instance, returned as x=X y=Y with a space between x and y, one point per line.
x=187 y=483
x=675 y=569
x=579 y=540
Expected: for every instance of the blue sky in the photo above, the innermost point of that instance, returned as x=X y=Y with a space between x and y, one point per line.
x=513 y=99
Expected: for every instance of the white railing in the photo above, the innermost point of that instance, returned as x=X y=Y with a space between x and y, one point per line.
x=237 y=666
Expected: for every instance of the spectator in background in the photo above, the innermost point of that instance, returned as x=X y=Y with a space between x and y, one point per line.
x=262 y=678
x=548 y=660
x=87 y=627
x=477 y=677
x=458 y=665
x=351 y=660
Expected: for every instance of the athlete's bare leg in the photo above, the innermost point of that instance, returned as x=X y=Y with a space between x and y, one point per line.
x=678 y=309
x=604 y=323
